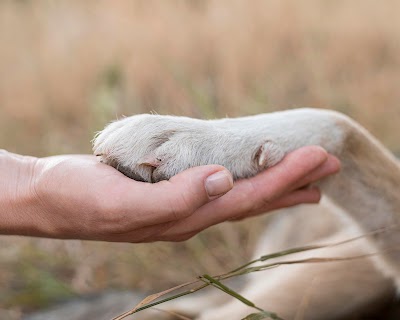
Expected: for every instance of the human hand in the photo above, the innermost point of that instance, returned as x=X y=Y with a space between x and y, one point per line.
x=76 y=197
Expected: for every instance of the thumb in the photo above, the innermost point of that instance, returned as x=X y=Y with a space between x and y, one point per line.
x=192 y=188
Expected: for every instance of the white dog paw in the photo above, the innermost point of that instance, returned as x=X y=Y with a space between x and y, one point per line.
x=152 y=148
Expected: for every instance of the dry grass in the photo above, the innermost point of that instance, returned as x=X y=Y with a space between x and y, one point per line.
x=68 y=67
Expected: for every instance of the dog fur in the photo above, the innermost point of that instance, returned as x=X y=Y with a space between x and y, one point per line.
x=361 y=199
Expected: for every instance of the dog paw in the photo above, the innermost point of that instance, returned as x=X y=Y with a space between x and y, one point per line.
x=152 y=148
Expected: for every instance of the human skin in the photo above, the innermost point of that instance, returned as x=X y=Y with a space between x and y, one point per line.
x=76 y=197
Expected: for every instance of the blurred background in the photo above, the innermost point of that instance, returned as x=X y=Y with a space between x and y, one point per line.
x=69 y=67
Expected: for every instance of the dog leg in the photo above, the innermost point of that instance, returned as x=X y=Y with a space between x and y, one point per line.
x=332 y=290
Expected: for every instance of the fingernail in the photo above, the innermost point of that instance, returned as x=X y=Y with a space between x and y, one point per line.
x=219 y=183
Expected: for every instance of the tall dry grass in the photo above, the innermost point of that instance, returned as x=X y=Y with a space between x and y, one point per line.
x=68 y=67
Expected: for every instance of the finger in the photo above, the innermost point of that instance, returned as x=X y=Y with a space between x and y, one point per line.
x=186 y=229
x=195 y=223
x=329 y=167
x=175 y=199
x=295 y=167
x=300 y=196
x=258 y=193
x=261 y=190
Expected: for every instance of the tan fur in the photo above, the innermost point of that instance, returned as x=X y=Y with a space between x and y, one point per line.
x=362 y=198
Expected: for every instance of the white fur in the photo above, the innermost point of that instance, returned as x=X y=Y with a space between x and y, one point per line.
x=366 y=192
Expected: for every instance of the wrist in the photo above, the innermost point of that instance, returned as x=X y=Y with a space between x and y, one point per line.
x=18 y=201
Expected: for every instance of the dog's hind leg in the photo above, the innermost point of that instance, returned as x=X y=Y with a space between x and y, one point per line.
x=331 y=290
